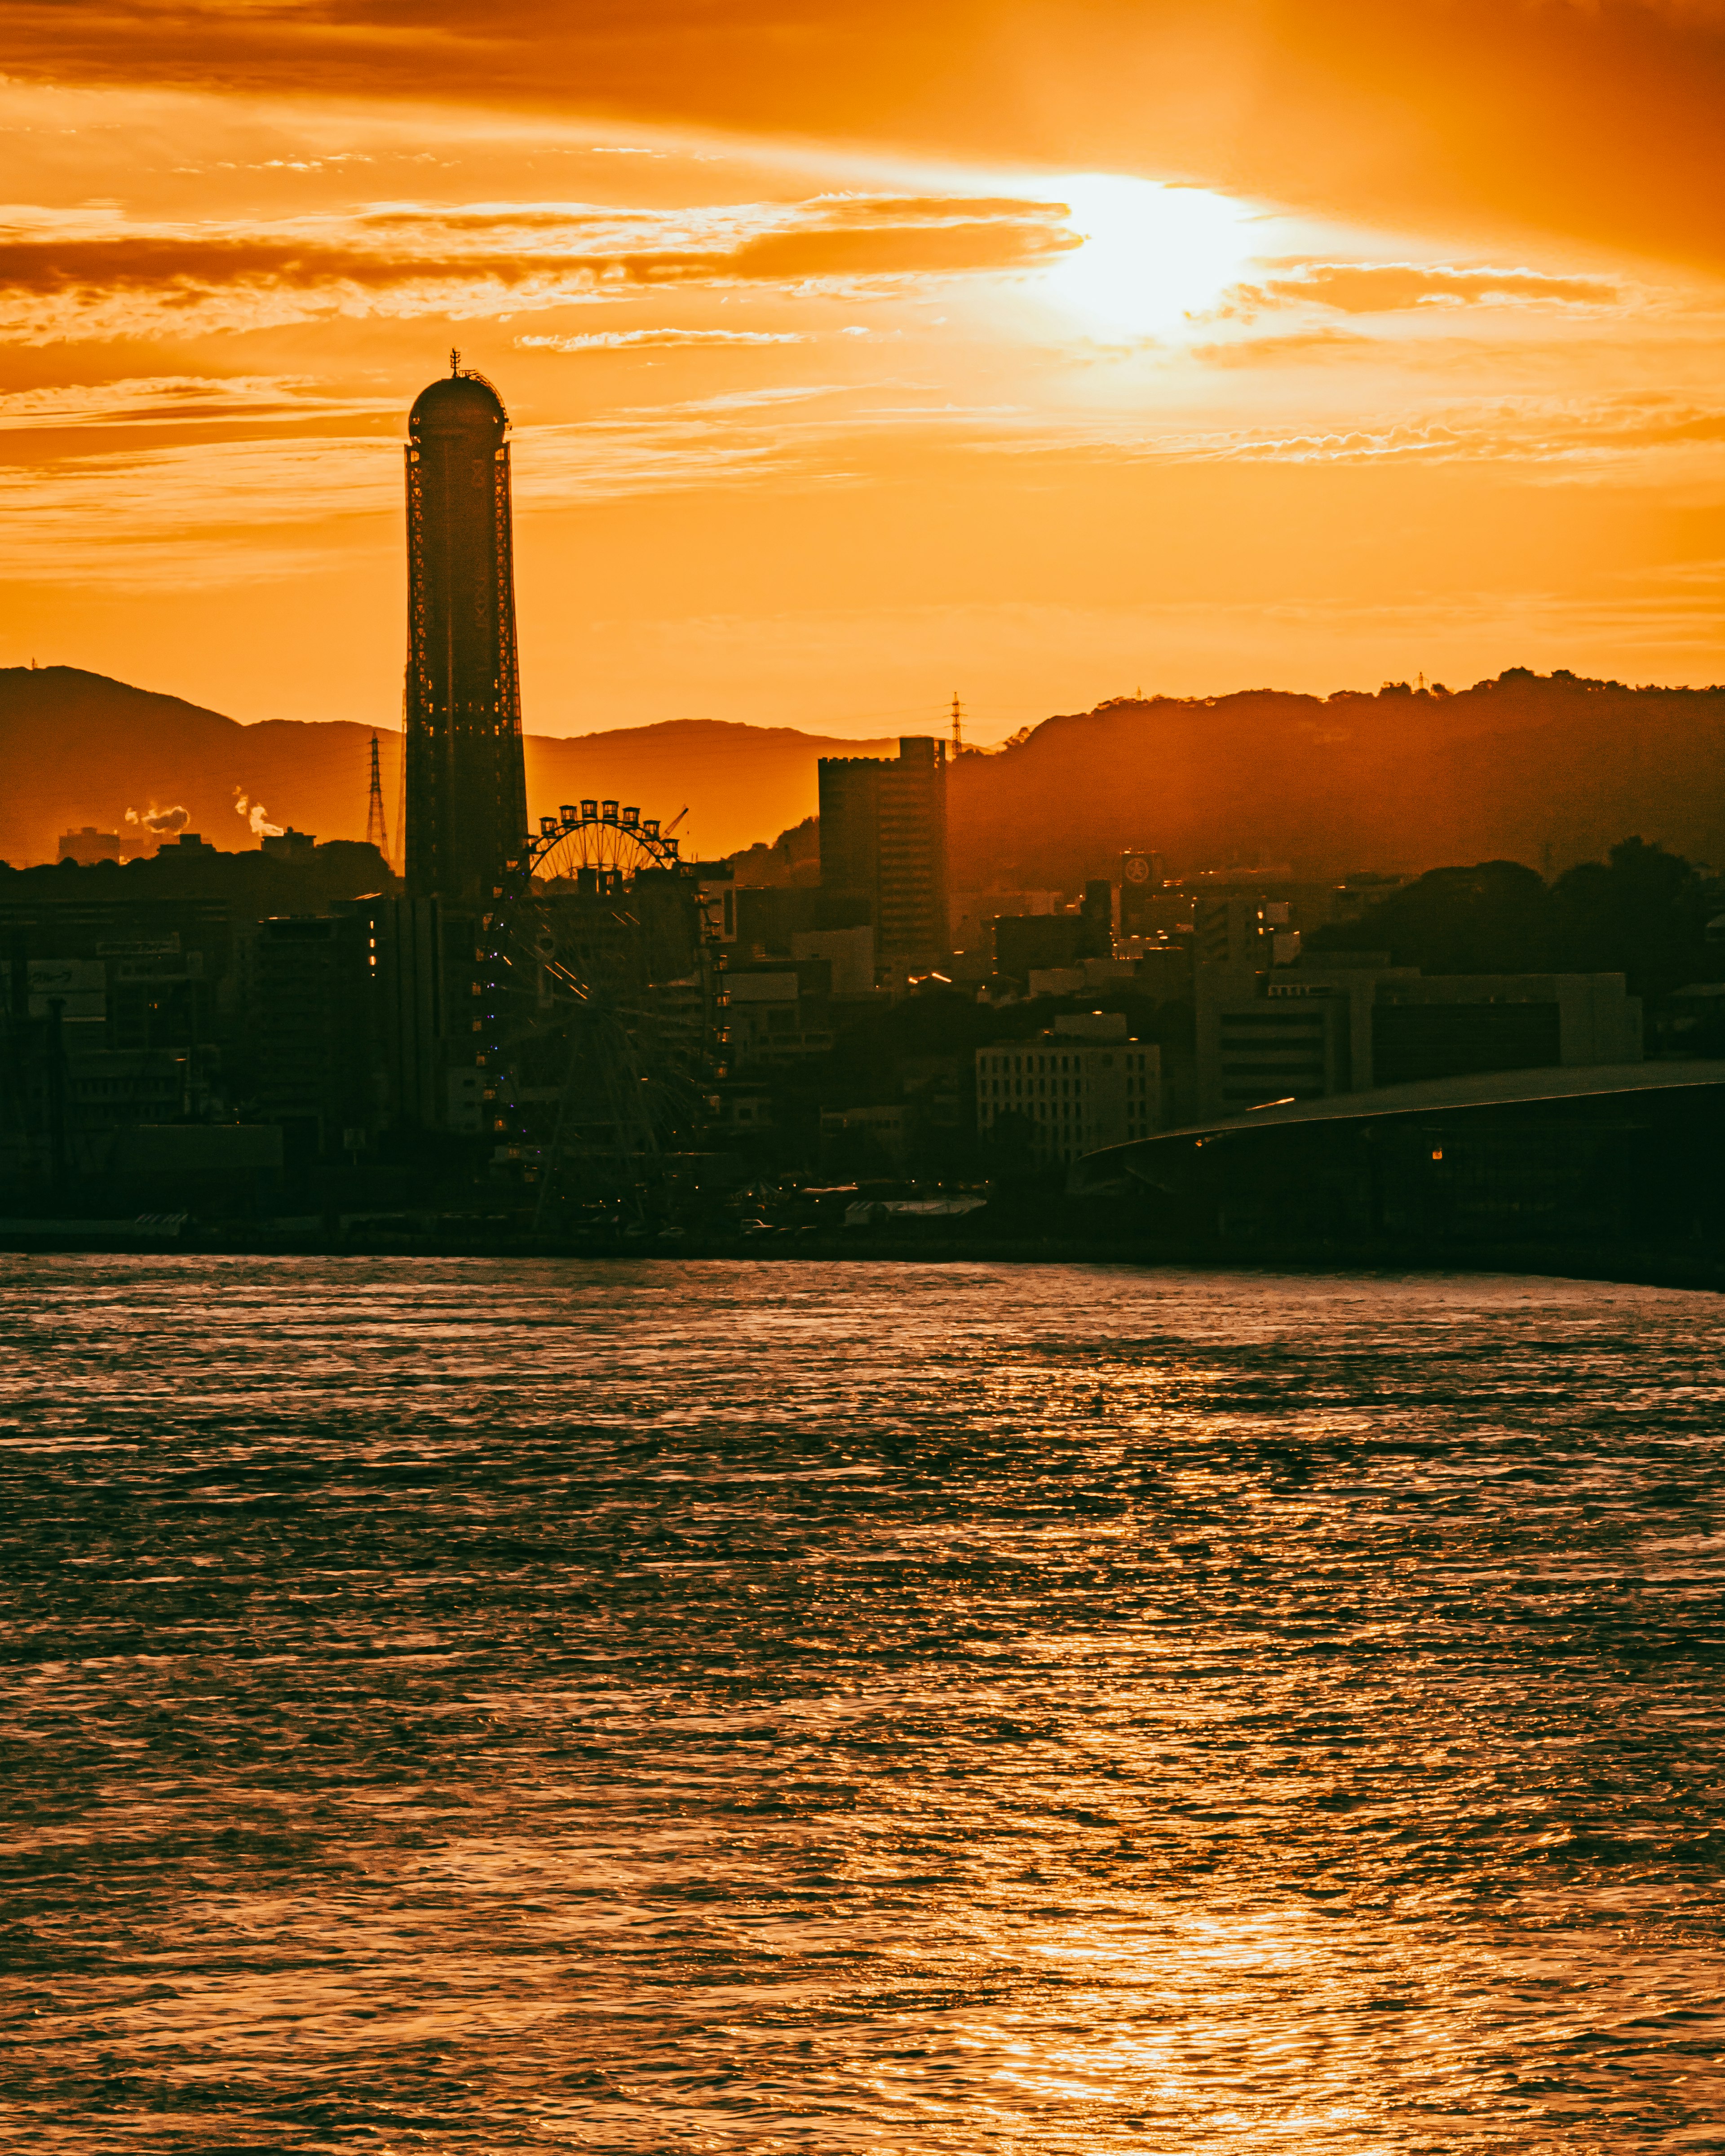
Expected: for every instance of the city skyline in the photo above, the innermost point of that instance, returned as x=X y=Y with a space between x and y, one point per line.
x=862 y=1074
x=1161 y=351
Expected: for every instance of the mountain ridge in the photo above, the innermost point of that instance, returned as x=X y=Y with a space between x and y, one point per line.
x=1545 y=769
x=80 y=748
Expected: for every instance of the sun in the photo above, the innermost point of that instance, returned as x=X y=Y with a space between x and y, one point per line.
x=1151 y=254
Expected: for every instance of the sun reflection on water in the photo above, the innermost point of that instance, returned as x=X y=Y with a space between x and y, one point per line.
x=1033 y=1712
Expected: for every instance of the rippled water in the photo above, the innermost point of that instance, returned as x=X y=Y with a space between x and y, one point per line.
x=715 y=1706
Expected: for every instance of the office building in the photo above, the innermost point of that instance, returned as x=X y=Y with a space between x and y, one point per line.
x=849 y=952
x=883 y=843
x=311 y=1012
x=290 y=845
x=1324 y=1027
x=778 y=1014
x=1141 y=876
x=1083 y=1084
x=1032 y=942
x=87 y=845
x=974 y=913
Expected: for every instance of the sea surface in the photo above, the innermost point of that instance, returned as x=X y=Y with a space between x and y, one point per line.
x=517 y=1706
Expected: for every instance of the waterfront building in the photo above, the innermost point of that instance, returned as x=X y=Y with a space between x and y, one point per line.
x=1325 y=1026
x=1083 y=1084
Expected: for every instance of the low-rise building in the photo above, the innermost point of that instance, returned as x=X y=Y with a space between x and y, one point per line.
x=776 y=1015
x=87 y=844
x=1083 y=1084
x=849 y=952
x=1322 y=1027
x=888 y=1128
x=311 y=1013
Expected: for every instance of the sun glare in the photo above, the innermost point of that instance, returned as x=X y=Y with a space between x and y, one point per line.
x=1151 y=254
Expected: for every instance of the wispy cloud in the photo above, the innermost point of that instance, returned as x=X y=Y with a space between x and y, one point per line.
x=665 y=339
x=94 y=273
x=1280 y=351
x=181 y=400
x=1377 y=287
x=1526 y=430
x=133 y=520
x=1579 y=435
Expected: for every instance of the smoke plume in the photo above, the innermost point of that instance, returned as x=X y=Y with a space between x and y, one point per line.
x=166 y=821
x=252 y=811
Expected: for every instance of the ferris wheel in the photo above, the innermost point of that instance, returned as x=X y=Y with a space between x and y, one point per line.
x=604 y=1001
x=599 y=834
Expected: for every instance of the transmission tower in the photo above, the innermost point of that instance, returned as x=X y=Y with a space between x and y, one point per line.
x=376 y=835
x=957 y=724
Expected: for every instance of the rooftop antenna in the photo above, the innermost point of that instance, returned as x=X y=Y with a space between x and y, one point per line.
x=958 y=725
x=454 y=361
x=376 y=835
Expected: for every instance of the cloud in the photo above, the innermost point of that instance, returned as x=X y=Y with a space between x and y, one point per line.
x=634 y=340
x=1278 y=350
x=93 y=274
x=1528 y=431
x=180 y=400
x=231 y=511
x=137 y=520
x=1524 y=430
x=1598 y=118
x=1574 y=434
x=1377 y=287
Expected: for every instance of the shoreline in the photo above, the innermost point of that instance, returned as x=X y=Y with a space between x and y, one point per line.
x=1690 y=1269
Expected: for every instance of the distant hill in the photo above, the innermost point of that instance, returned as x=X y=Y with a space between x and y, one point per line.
x=1546 y=770
x=78 y=748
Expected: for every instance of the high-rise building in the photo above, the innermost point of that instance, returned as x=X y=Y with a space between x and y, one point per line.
x=883 y=840
x=1139 y=886
x=466 y=783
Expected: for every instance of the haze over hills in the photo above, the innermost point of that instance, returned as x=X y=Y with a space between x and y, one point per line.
x=1546 y=770
x=79 y=748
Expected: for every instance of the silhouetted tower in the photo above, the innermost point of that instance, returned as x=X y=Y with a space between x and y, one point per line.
x=883 y=847
x=958 y=725
x=376 y=835
x=466 y=786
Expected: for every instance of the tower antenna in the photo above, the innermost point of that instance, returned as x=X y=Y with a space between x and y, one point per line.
x=454 y=361
x=957 y=724
x=376 y=835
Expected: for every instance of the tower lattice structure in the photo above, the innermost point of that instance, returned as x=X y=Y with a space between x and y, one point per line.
x=466 y=793
x=377 y=833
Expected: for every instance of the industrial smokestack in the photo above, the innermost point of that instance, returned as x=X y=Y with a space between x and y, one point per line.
x=466 y=782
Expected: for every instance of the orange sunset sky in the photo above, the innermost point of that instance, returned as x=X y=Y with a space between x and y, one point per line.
x=861 y=352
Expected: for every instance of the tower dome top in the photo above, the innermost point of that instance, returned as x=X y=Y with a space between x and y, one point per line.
x=460 y=402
